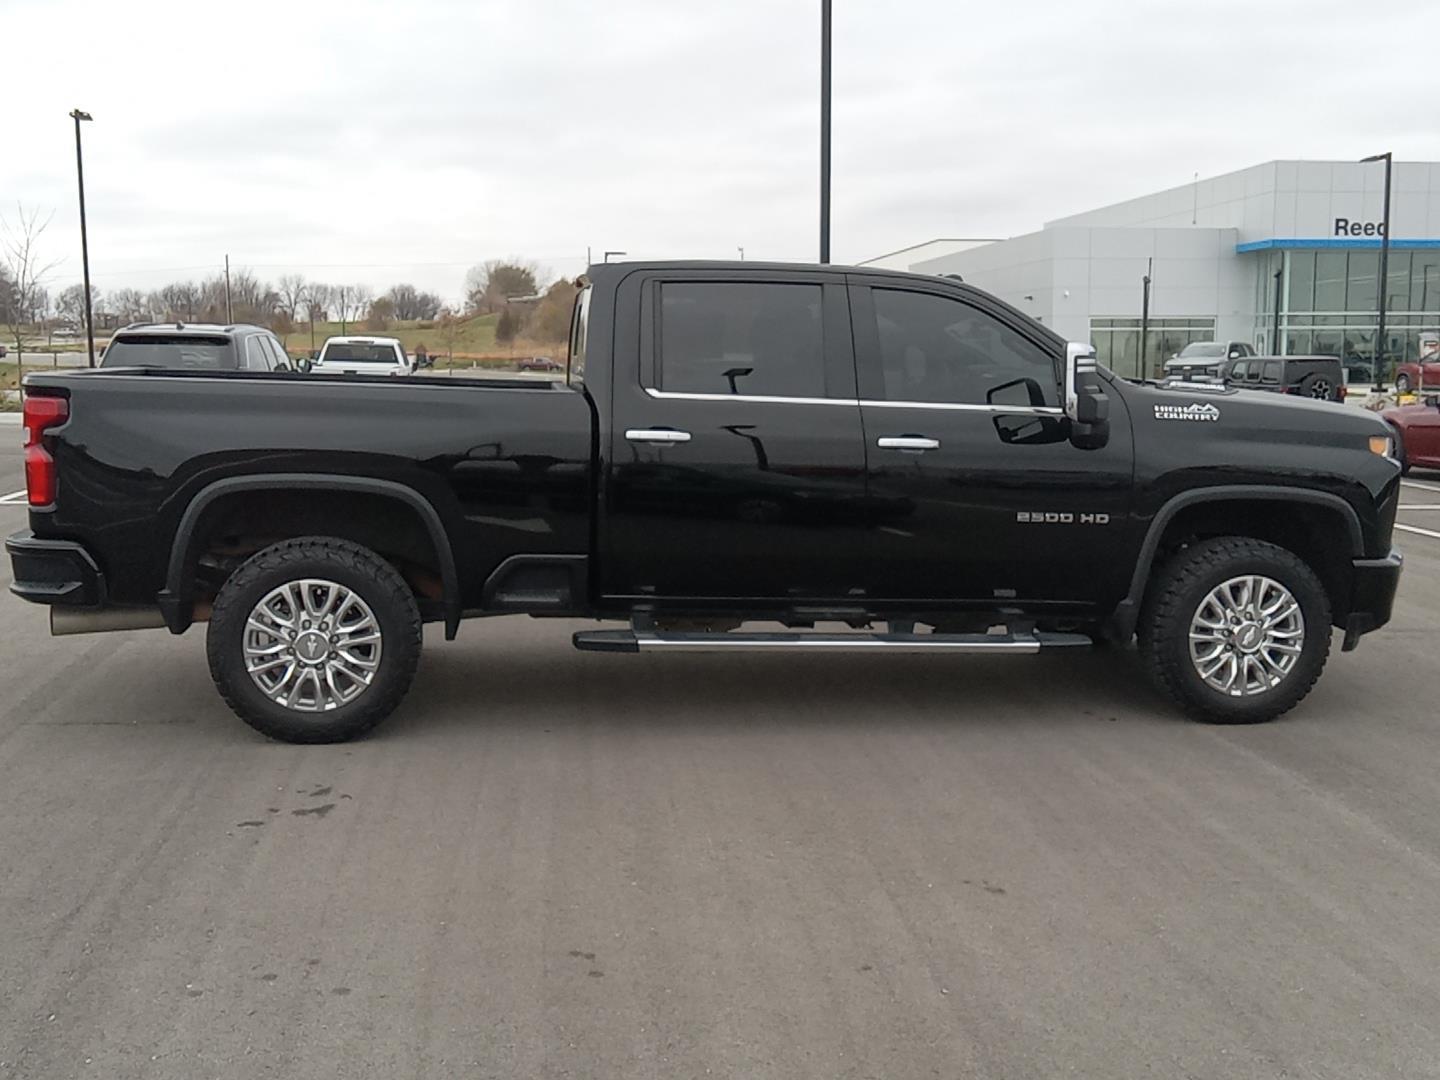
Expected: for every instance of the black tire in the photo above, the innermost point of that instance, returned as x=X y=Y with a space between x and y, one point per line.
x=1175 y=597
x=358 y=569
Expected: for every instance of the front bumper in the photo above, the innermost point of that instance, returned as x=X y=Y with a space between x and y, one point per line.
x=1372 y=596
x=54 y=571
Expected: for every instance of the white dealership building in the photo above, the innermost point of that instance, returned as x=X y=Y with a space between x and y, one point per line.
x=1224 y=256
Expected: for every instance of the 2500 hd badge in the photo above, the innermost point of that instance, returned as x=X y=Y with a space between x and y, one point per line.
x=1194 y=411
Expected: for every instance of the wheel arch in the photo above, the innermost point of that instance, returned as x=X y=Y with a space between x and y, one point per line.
x=1337 y=515
x=177 y=598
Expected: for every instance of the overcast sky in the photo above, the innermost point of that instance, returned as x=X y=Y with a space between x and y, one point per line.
x=375 y=143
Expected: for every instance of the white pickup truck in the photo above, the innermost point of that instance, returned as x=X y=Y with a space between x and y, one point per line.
x=362 y=356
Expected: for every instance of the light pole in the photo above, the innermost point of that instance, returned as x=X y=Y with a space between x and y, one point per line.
x=742 y=253
x=824 y=131
x=78 y=115
x=609 y=253
x=1384 y=268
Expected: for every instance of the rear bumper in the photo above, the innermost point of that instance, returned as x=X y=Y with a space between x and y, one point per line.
x=54 y=572
x=1372 y=596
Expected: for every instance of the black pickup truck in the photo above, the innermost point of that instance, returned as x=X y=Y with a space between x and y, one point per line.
x=870 y=460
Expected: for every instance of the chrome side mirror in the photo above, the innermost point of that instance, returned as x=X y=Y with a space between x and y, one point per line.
x=1086 y=403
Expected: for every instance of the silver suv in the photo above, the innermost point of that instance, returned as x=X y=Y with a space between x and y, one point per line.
x=1202 y=359
x=202 y=346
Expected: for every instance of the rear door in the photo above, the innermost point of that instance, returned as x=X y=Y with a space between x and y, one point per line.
x=987 y=501
x=737 y=461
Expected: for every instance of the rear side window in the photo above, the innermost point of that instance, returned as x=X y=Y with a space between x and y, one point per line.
x=169 y=351
x=745 y=338
x=277 y=353
x=1271 y=372
x=941 y=350
x=579 y=326
x=257 y=356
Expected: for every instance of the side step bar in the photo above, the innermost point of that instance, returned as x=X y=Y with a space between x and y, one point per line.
x=633 y=641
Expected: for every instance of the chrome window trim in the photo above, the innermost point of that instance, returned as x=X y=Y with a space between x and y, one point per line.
x=677 y=395
x=1027 y=410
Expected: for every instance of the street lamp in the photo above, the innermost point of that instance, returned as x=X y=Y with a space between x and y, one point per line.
x=77 y=115
x=824 y=131
x=1384 y=268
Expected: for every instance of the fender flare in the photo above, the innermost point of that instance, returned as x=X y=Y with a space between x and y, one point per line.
x=1127 y=612
x=175 y=600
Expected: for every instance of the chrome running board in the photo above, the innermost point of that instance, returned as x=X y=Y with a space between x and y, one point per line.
x=633 y=641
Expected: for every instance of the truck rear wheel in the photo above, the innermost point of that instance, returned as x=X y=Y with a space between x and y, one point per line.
x=1235 y=630
x=314 y=640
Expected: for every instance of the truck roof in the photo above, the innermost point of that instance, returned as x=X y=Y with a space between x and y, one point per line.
x=362 y=340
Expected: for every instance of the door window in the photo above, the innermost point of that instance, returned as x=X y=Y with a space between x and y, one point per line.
x=744 y=338
x=1271 y=373
x=937 y=349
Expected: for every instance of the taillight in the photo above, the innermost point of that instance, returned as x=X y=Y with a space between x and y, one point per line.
x=40 y=415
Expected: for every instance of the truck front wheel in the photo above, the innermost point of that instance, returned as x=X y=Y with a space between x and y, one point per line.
x=1235 y=630
x=314 y=640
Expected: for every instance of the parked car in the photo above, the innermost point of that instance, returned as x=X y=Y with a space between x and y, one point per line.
x=539 y=363
x=1421 y=375
x=735 y=443
x=195 y=346
x=1202 y=359
x=362 y=356
x=1417 y=430
x=1318 y=377
x=3 y=352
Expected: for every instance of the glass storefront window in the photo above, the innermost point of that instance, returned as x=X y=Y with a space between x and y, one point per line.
x=1425 y=282
x=1329 y=281
x=1397 y=295
x=1301 y=287
x=1360 y=291
x=1117 y=342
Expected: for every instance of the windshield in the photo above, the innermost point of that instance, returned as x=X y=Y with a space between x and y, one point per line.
x=169 y=351
x=359 y=354
x=1202 y=350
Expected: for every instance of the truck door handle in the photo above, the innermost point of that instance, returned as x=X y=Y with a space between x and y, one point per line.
x=657 y=435
x=907 y=442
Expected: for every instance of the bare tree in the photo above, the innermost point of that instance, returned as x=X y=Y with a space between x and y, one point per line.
x=19 y=247
x=410 y=303
x=129 y=305
x=180 y=300
x=352 y=301
x=293 y=290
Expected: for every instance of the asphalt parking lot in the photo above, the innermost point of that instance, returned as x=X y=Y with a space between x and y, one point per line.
x=555 y=864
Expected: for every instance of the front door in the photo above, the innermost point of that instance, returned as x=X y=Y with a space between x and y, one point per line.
x=960 y=397
x=736 y=459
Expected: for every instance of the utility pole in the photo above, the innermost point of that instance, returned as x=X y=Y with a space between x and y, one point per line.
x=742 y=253
x=78 y=115
x=1384 y=269
x=229 y=316
x=824 y=131
x=342 y=310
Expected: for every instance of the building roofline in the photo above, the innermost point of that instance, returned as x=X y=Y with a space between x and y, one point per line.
x=935 y=240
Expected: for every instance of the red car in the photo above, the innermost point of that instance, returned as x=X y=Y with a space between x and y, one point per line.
x=1419 y=428
x=1412 y=375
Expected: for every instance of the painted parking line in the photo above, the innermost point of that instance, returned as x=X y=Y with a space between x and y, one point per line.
x=1419 y=506
x=15 y=498
x=1416 y=529
x=1419 y=486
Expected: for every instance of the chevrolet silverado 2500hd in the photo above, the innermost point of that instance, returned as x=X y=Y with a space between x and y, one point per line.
x=903 y=457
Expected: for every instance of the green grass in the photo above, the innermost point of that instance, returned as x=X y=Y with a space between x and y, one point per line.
x=473 y=337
